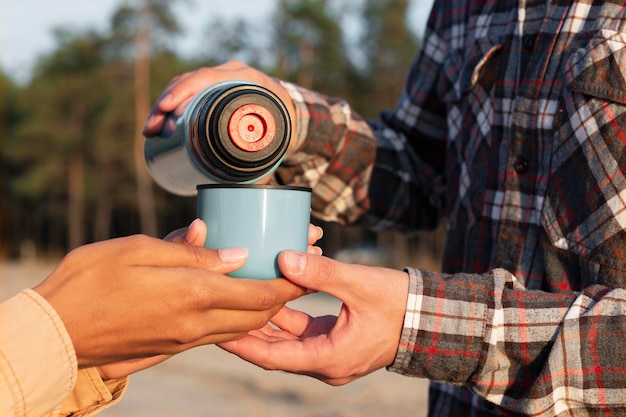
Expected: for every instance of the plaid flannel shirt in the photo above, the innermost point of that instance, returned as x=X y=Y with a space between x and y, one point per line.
x=511 y=128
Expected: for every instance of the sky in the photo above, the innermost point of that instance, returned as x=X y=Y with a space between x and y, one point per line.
x=26 y=25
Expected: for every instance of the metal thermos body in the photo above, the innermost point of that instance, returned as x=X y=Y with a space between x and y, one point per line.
x=231 y=132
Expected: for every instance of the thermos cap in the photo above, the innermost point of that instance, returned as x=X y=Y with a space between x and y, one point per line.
x=231 y=132
x=251 y=127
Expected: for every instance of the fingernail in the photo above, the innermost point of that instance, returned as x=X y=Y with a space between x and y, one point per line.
x=233 y=255
x=165 y=100
x=316 y=250
x=295 y=262
x=146 y=126
x=191 y=234
x=320 y=232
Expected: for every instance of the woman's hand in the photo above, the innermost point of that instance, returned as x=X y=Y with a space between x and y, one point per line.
x=195 y=235
x=138 y=297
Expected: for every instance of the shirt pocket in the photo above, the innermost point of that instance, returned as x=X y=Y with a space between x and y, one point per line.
x=464 y=69
x=467 y=80
x=584 y=211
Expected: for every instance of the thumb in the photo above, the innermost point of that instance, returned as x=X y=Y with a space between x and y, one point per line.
x=319 y=273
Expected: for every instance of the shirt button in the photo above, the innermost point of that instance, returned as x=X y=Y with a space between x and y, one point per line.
x=528 y=42
x=521 y=166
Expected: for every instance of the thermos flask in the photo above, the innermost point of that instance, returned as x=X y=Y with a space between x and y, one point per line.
x=233 y=132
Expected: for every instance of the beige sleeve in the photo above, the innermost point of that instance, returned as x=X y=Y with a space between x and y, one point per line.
x=92 y=395
x=38 y=369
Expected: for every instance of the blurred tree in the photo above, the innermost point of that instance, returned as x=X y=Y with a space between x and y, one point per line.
x=389 y=48
x=60 y=105
x=309 y=45
x=137 y=22
x=73 y=147
x=228 y=39
x=9 y=206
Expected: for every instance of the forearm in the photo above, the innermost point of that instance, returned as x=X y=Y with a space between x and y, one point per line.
x=366 y=172
x=334 y=153
x=511 y=345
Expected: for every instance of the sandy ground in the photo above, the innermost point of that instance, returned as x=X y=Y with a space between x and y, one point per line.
x=210 y=382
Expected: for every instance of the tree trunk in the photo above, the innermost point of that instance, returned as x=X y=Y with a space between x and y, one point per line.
x=76 y=173
x=76 y=200
x=306 y=57
x=145 y=192
x=104 y=204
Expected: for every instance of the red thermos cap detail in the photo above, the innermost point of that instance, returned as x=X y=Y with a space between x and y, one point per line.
x=251 y=127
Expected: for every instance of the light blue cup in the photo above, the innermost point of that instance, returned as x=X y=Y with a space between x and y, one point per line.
x=266 y=219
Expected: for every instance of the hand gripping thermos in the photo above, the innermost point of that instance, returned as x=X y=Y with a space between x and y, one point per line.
x=231 y=132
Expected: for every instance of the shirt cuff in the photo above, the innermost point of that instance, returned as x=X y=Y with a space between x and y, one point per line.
x=443 y=329
x=411 y=325
x=92 y=395
x=302 y=117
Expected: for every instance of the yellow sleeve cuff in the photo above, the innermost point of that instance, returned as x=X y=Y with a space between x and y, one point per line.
x=92 y=395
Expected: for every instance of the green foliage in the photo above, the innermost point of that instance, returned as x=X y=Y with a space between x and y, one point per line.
x=389 y=47
x=9 y=118
x=310 y=47
x=68 y=133
x=162 y=22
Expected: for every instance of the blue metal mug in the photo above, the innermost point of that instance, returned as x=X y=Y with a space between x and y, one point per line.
x=266 y=219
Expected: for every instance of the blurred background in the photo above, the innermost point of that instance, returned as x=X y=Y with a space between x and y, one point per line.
x=77 y=80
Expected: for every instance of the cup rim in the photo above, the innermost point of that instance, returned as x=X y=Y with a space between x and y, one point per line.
x=256 y=186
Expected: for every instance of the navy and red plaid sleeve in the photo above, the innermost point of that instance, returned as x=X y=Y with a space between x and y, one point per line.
x=532 y=352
